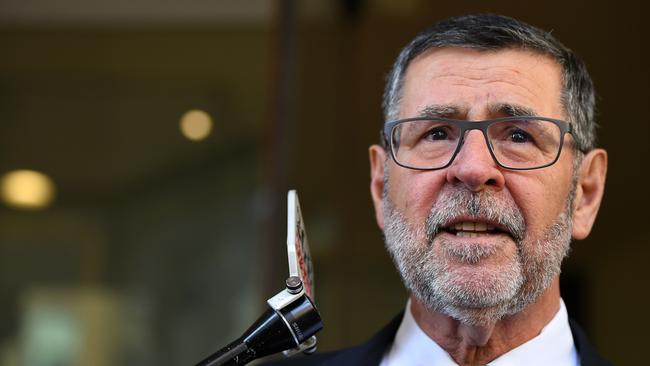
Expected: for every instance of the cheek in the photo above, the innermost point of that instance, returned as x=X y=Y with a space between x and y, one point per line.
x=414 y=192
x=540 y=197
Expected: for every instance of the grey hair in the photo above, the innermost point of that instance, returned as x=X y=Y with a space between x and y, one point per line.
x=485 y=32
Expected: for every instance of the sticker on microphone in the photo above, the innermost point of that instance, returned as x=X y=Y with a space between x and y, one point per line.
x=297 y=246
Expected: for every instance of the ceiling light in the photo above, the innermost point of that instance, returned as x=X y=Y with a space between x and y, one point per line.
x=196 y=124
x=27 y=189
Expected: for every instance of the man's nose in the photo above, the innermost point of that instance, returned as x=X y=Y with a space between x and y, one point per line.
x=474 y=166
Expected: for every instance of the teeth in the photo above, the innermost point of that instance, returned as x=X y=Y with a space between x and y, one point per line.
x=466 y=234
x=470 y=229
x=468 y=226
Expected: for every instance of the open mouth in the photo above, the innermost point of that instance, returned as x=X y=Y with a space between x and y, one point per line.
x=472 y=229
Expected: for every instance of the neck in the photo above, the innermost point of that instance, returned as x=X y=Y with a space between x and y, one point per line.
x=478 y=345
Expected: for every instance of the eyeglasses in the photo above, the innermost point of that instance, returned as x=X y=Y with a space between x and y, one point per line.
x=517 y=143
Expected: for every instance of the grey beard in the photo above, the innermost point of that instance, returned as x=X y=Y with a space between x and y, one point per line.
x=494 y=294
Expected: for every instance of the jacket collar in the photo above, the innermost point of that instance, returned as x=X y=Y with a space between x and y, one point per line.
x=372 y=352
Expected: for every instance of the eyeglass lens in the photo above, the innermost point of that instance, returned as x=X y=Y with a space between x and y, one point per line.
x=519 y=144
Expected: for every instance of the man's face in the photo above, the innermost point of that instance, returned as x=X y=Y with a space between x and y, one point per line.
x=474 y=240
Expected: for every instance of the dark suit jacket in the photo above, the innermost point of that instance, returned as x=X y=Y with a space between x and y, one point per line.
x=371 y=352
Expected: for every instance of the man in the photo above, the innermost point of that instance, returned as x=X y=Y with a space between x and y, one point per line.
x=487 y=170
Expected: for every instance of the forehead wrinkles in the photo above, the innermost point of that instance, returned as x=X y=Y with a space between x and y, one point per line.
x=473 y=76
x=510 y=76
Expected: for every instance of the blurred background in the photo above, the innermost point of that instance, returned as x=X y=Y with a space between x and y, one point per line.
x=146 y=148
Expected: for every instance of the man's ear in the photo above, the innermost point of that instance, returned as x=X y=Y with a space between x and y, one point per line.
x=589 y=192
x=377 y=160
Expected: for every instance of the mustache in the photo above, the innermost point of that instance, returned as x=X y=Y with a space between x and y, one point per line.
x=454 y=202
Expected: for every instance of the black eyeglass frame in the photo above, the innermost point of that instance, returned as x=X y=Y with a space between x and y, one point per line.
x=482 y=126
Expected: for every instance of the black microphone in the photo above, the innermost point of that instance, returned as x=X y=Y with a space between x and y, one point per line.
x=291 y=320
x=289 y=323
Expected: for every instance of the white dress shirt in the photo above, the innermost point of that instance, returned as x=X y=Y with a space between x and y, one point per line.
x=552 y=346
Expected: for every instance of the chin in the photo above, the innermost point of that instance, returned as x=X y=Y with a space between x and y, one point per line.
x=476 y=294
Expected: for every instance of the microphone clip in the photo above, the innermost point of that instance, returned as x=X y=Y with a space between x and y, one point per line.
x=302 y=319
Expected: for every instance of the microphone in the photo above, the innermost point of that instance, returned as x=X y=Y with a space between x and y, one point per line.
x=291 y=321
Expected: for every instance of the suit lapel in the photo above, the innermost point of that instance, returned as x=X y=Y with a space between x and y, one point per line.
x=586 y=352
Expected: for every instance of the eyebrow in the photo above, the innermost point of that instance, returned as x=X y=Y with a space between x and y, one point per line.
x=440 y=111
x=455 y=111
x=512 y=110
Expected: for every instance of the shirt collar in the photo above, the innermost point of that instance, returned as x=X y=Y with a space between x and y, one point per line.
x=553 y=346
